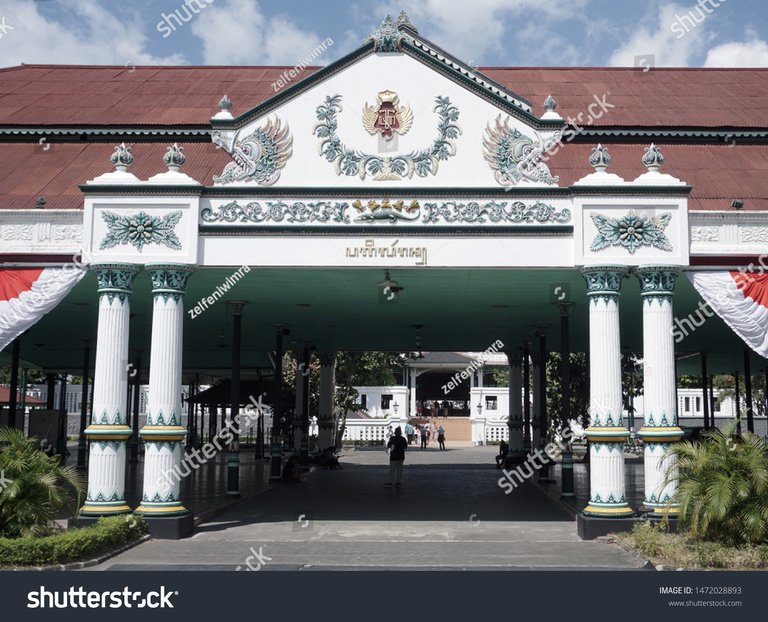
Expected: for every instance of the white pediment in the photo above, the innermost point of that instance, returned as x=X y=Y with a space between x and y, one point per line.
x=458 y=135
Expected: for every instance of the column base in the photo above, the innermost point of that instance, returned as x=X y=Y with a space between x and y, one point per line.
x=96 y=510
x=591 y=527
x=172 y=508
x=618 y=510
x=660 y=511
x=170 y=527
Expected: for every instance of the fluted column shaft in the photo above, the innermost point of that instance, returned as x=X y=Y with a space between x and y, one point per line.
x=163 y=432
x=108 y=433
x=660 y=430
x=606 y=434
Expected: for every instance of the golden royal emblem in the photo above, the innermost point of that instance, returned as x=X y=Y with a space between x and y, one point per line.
x=386 y=117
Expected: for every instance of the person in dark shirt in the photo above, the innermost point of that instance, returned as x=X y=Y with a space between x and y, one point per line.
x=503 y=453
x=396 y=447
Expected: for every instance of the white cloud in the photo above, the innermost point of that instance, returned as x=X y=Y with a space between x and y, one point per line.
x=470 y=29
x=86 y=34
x=753 y=53
x=661 y=39
x=237 y=32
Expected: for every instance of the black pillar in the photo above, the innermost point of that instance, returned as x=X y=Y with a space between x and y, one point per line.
x=705 y=393
x=12 y=397
x=259 y=455
x=526 y=397
x=233 y=451
x=738 y=402
x=61 y=441
x=711 y=402
x=277 y=407
x=82 y=441
x=304 y=449
x=135 y=440
x=50 y=398
x=566 y=461
x=748 y=390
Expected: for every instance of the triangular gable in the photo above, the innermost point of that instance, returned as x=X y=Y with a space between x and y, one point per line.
x=398 y=110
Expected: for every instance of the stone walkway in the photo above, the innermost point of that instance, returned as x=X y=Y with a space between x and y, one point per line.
x=449 y=514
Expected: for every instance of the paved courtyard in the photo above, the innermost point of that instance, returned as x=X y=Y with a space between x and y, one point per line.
x=449 y=514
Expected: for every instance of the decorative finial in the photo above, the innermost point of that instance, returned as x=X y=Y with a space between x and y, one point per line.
x=404 y=22
x=600 y=158
x=550 y=104
x=122 y=157
x=225 y=103
x=174 y=158
x=386 y=38
x=652 y=158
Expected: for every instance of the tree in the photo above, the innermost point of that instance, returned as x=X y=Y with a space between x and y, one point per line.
x=360 y=369
x=579 y=386
x=725 y=384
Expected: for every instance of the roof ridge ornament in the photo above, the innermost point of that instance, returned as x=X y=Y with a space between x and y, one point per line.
x=388 y=36
x=600 y=158
x=225 y=108
x=404 y=22
x=122 y=158
x=549 y=109
x=174 y=158
x=652 y=158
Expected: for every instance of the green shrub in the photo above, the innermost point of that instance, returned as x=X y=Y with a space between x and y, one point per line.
x=35 y=486
x=723 y=488
x=74 y=545
x=682 y=550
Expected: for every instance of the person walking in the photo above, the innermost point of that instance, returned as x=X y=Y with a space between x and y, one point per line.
x=424 y=437
x=441 y=437
x=398 y=445
x=409 y=433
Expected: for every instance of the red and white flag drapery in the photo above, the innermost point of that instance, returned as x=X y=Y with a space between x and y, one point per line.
x=27 y=294
x=741 y=299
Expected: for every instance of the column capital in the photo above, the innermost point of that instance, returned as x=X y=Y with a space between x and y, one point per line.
x=327 y=358
x=169 y=279
x=115 y=279
x=604 y=280
x=657 y=280
x=515 y=358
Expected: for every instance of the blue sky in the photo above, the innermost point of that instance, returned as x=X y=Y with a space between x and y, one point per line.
x=482 y=32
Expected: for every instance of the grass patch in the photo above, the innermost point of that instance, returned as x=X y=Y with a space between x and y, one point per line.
x=681 y=550
x=106 y=535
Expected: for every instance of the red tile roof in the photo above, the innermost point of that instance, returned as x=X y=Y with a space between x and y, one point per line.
x=184 y=95
x=718 y=173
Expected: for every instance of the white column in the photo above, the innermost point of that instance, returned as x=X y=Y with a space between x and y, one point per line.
x=412 y=402
x=480 y=376
x=515 y=420
x=606 y=433
x=660 y=430
x=163 y=432
x=327 y=388
x=108 y=432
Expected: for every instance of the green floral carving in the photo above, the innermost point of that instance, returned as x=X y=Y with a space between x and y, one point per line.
x=141 y=229
x=631 y=232
x=278 y=211
x=351 y=162
x=495 y=211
